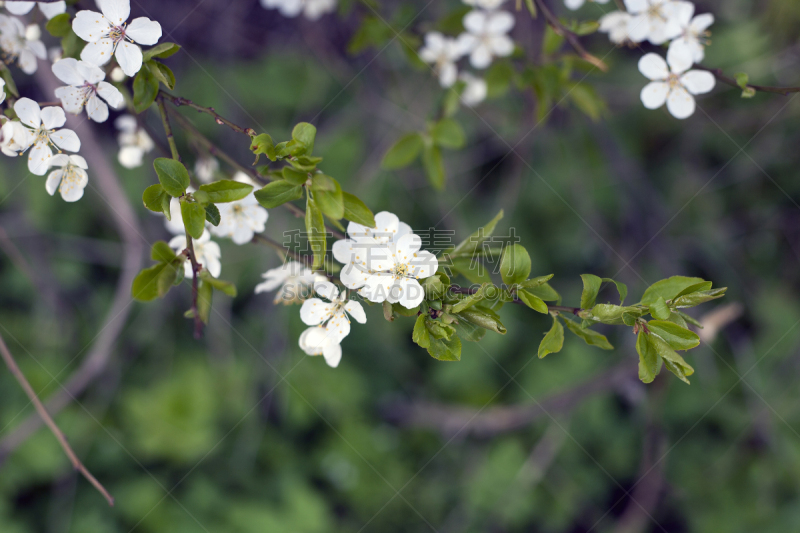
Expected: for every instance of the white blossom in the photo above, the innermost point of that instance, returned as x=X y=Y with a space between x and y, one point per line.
x=55 y=53
x=13 y=138
x=442 y=52
x=85 y=89
x=475 y=89
x=109 y=34
x=694 y=35
x=331 y=318
x=486 y=36
x=206 y=168
x=385 y=262
x=40 y=132
x=20 y=44
x=654 y=20
x=577 y=4
x=48 y=10
x=485 y=4
x=69 y=178
x=117 y=75
x=311 y=9
x=240 y=220
x=615 y=24
x=206 y=252
x=134 y=142
x=671 y=83
x=291 y=279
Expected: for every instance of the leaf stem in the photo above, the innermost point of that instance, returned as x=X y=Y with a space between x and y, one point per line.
x=717 y=72
x=179 y=101
x=571 y=38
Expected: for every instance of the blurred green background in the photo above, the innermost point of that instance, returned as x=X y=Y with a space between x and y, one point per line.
x=241 y=432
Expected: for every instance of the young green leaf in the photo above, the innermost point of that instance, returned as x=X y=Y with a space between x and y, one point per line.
x=515 y=267
x=592 y=338
x=161 y=252
x=156 y=199
x=278 y=193
x=613 y=314
x=649 y=360
x=591 y=287
x=194 y=218
x=305 y=133
x=700 y=297
x=223 y=286
x=213 y=215
x=553 y=341
x=167 y=278
x=205 y=292
x=173 y=176
x=659 y=309
x=472 y=243
x=532 y=301
x=262 y=144
x=357 y=211
x=162 y=73
x=434 y=166
x=668 y=288
x=484 y=318
x=145 y=285
x=222 y=191
x=328 y=196
x=295 y=177
x=420 y=334
x=672 y=360
x=145 y=89
x=403 y=152
x=162 y=51
x=445 y=349
x=678 y=338
x=447 y=133
x=59 y=26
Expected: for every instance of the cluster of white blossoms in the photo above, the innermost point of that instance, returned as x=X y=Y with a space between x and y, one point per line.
x=242 y=219
x=486 y=38
x=86 y=88
x=661 y=21
x=134 y=142
x=311 y=9
x=20 y=44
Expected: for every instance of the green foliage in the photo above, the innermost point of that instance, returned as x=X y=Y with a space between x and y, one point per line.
x=403 y=152
x=278 y=193
x=213 y=215
x=161 y=72
x=434 y=165
x=357 y=211
x=515 y=267
x=59 y=26
x=447 y=133
x=156 y=199
x=145 y=89
x=161 y=51
x=194 y=217
x=328 y=196
x=155 y=282
x=590 y=337
x=173 y=176
x=553 y=341
x=315 y=232
x=224 y=191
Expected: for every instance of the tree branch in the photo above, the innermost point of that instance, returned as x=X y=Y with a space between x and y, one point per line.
x=48 y=420
x=571 y=38
x=717 y=72
x=179 y=101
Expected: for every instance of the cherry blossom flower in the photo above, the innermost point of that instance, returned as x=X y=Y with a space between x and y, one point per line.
x=615 y=24
x=485 y=4
x=486 y=36
x=240 y=220
x=206 y=252
x=332 y=316
x=21 y=44
x=694 y=34
x=671 y=83
x=48 y=10
x=85 y=88
x=311 y=9
x=206 y=168
x=14 y=138
x=41 y=133
x=442 y=52
x=109 y=34
x=317 y=341
x=291 y=279
x=577 y=4
x=654 y=20
x=475 y=89
x=134 y=142
x=70 y=179
x=385 y=263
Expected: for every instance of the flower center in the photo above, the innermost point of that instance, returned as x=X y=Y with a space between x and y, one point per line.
x=656 y=12
x=400 y=270
x=117 y=33
x=42 y=135
x=674 y=81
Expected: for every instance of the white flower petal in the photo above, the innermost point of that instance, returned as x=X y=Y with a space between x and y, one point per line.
x=116 y=11
x=499 y=22
x=701 y=23
x=53 y=9
x=78 y=161
x=144 y=31
x=636 y=6
x=28 y=112
x=680 y=58
x=91 y=73
x=638 y=28
x=98 y=52
x=376 y=287
x=314 y=311
x=411 y=294
x=90 y=26
x=475 y=21
x=53 y=117
x=653 y=67
x=97 y=109
x=39 y=159
x=110 y=94
x=573 y=4
x=338 y=327
x=332 y=353
x=406 y=246
x=67 y=71
x=423 y=265
x=20 y=8
x=326 y=289
x=698 y=81
x=480 y=57
x=129 y=57
x=53 y=179
x=655 y=94
x=356 y=311
x=680 y=103
x=66 y=140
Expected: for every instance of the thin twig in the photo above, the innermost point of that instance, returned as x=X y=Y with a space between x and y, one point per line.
x=571 y=38
x=37 y=403
x=179 y=101
x=717 y=72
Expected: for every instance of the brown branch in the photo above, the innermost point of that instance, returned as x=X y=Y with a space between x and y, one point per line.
x=717 y=72
x=571 y=38
x=179 y=101
x=555 y=308
x=48 y=420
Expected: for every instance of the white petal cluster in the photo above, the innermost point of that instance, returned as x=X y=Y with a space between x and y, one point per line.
x=134 y=142
x=21 y=45
x=206 y=252
x=486 y=36
x=330 y=321
x=109 y=34
x=672 y=82
x=292 y=280
x=475 y=89
x=40 y=133
x=311 y=9
x=85 y=89
x=240 y=220
x=206 y=168
x=577 y=4
x=694 y=32
x=69 y=178
x=385 y=263
x=442 y=52
x=48 y=10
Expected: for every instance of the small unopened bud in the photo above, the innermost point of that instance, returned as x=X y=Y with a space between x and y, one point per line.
x=33 y=32
x=117 y=75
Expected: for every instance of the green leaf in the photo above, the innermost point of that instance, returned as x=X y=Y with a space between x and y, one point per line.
x=447 y=133
x=690 y=319
x=587 y=100
x=315 y=231
x=535 y=282
x=60 y=25
x=445 y=349
x=357 y=211
x=532 y=301
x=305 y=133
x=742 y=79
x=484 y=318
x=668 y=288
x=213 y=215
x=591 y=287
x=622 y=289
x=11 y=87
x=515 y=267
x=700 y=297
x=545 y=292
x=163 y=51
x=172 y=175
x=403 y=152
x=470 y=300
x=469 y=331
x=156 y=199
x=205 y=292
x=161 y=252
x=145 y=285
x=472 y=243
x=613 y=314
x=552 y=41
x=223 y=286
x=220 y=192
x=305 y=163
x=72 y=45
x=328 y=196
x=498 y=79
x=474 y=271
x=295 y=177
x=672 y=360
x=434 y=166
x=167 y=278
x=194 y=218
x=162 y=73
x=592 y=338
x=649 y=360
x=420 y=334
x=678 y=338
x=531 y=7
x=278 y=193
x=262 y=144
x=553 y=341
x=145 y=89
x=659 y=309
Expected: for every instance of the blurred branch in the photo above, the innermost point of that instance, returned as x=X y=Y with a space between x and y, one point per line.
x=62 y=440
x=179 y=101
x=571 y=38
x=451 y=420
x=717 y=72
x=718 y=319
